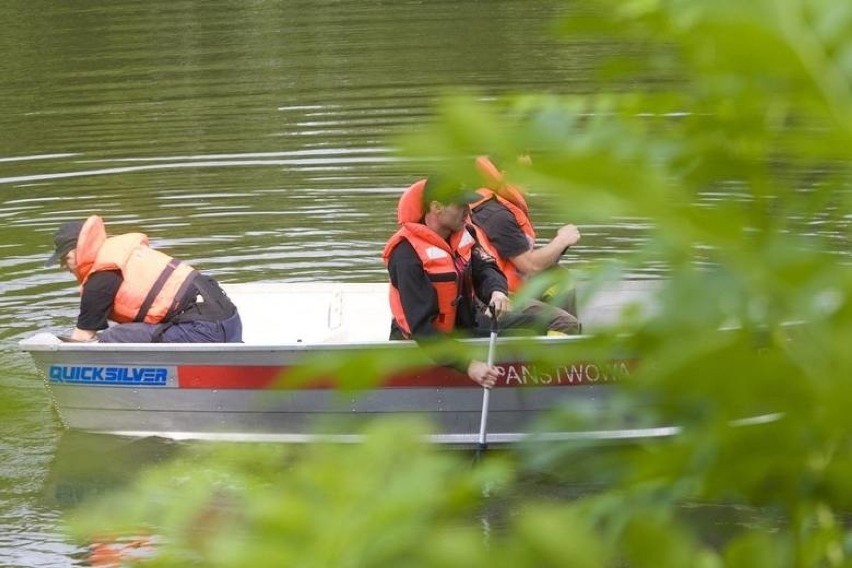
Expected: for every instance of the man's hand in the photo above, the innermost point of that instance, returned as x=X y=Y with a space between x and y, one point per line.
x=568 y=235
x=72 y=339
x=482 y=374
x=501 y=304
x=82 y=335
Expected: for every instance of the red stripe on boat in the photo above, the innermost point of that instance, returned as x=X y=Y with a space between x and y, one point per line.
x=252 y=377
x=511 y=375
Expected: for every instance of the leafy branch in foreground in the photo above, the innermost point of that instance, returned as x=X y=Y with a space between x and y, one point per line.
x=739 y=163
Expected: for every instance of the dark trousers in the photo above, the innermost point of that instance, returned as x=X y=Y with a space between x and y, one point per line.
x=229 y=330
x=532 y=318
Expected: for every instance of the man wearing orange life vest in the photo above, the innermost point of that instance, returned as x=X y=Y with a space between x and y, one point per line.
x=503 y=216
x=151 y=296
x=437 y=272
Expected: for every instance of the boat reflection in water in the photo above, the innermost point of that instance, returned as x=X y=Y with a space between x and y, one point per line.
x=87 y=466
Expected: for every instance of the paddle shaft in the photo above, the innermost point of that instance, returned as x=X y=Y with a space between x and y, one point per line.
x=486 y=392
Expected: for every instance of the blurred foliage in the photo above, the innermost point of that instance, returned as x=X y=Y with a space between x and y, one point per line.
x=392 y=500
x=728 y=130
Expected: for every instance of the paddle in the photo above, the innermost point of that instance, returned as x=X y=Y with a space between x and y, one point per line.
x=486 y=392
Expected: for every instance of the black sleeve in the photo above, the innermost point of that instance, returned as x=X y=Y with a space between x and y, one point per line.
x=502 y=228
x=487 y=276
x=416 y=293
x=418 y=298
x=97 y=299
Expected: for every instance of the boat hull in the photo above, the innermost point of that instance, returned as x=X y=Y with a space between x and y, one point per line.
x=257 y=391
x=219 y=394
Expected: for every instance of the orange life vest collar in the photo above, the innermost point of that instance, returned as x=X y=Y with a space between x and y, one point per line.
x=410 y=208
x=496 y=182
x=89 y=242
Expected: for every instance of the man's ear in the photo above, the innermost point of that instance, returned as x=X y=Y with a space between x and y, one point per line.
x=435 y=206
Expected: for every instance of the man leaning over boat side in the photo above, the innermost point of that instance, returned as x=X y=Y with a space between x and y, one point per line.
x=437 y=270
x=502 y=215
x=152 y=297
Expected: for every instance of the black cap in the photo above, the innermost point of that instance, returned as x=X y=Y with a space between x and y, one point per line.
x=65 y=240
x=446 y=191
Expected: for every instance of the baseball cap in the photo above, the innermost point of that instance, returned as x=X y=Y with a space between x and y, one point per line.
x=447 y=191
x=64 y=240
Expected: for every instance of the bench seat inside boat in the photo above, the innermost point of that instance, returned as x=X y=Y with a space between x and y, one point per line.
x=312 y=313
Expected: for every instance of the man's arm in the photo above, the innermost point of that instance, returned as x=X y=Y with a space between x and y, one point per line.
x=96 y=300
x=511 y=242
x=416 y=293
x=489 y=282
x=538 y=259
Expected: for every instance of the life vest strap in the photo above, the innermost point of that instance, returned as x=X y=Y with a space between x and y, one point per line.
x=443 y=277
x=156 y=289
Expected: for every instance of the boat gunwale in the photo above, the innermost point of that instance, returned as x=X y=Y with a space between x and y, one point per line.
x=95 y=347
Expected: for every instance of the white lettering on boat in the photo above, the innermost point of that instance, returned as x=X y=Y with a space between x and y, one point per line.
x=95 y=375
x=520 y=374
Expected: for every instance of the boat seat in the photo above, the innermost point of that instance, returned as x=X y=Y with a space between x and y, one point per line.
x=277 y=318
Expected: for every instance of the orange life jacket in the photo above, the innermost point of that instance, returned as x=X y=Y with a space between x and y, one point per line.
x=152 y=281
x=511 y=198
x=439 y=262
x=495 y=181
x=437 y=255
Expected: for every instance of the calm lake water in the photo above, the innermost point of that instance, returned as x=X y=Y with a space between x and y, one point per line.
x=254 y=140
